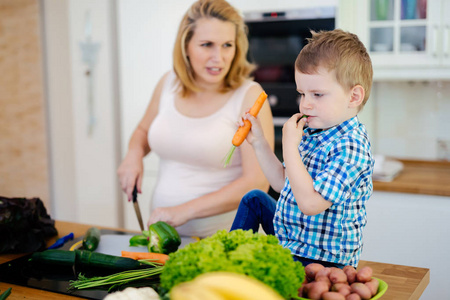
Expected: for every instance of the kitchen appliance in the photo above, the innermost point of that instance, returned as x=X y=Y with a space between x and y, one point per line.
x=275 y=39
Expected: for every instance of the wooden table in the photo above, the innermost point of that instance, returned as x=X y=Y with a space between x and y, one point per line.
x=404 y=282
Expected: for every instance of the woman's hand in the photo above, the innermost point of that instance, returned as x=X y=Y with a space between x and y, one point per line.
x=293 y=130
x=130 y=173
x=172 y=215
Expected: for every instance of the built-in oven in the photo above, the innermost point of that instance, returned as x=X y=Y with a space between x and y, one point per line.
x=275 y=39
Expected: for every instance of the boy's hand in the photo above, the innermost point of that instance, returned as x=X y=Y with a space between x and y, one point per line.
x=256 y=132
x=293 y=130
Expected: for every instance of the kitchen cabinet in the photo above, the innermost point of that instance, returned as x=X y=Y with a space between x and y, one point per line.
x=410 y=229
x=406 y=39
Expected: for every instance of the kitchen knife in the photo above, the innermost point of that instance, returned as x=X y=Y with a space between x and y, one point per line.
x=136 y=208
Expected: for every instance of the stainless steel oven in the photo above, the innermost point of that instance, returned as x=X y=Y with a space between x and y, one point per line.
x=275 y=40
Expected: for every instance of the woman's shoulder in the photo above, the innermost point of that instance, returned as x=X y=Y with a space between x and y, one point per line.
x=251 y=93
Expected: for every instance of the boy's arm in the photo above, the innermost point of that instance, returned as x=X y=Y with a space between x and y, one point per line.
x=270 y=164
x=309 y=201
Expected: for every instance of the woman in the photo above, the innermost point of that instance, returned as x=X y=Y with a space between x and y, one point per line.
x=191 y=120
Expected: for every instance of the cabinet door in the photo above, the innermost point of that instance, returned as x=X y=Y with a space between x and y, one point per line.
x=446 y=34
x=403 y=33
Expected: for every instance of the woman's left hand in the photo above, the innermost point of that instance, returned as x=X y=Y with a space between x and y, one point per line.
x=172 y=215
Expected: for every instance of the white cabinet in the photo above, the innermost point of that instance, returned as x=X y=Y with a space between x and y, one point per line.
x=407 y=39
x=412 y=230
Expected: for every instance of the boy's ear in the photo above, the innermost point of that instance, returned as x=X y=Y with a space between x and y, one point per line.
x=357 y=94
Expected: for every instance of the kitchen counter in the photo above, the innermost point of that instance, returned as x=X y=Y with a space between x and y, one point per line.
x=404 y=282
x=419 y=177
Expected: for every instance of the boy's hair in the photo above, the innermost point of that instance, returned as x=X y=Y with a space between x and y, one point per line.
x=240 y=67
x=342 y=52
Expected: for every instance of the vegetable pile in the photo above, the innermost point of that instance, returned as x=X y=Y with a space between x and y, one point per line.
x=254 y=254
x=338 y=284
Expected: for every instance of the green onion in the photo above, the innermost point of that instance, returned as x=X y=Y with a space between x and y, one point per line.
x=227 y=159
x=120 y=278
x=5 y=294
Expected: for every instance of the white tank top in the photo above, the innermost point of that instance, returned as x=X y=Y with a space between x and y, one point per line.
x=191 y=151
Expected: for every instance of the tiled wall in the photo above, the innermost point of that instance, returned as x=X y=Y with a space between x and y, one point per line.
x=411 y=120
x=23 y=149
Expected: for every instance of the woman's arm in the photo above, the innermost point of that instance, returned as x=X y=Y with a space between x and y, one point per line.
x=131 y=169
x=228 y=197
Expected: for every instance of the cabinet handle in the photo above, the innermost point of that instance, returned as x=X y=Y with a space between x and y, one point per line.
x=446 y=41
x=434 y=50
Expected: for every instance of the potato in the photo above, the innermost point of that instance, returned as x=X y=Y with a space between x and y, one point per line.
x=364 y=275
x=353 y=296
x=312 y=269
x=373 y=286
x=303 y=291
x=324 y=279
x=337 y=275
x=342 y=288
x=317 y=288
x=350 y=271
x=332 y=296
x=362 y=290
x=324 y=272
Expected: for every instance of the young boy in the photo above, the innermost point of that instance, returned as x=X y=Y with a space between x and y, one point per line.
x=326 y=177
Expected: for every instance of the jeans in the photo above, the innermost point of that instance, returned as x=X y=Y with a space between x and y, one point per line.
x=257 y=208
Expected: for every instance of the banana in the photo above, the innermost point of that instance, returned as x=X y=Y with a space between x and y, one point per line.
x=235 y=286
x=190 y=291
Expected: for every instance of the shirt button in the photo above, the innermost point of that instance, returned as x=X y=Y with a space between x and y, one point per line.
x=279 y=213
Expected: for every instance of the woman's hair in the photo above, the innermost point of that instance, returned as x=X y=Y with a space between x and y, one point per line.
x=240 y=67
x=342 y=52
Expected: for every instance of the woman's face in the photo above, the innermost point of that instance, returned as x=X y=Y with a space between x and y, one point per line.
x=211 y=51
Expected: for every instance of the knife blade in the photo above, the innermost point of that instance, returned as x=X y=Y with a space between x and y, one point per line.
x=137 y=209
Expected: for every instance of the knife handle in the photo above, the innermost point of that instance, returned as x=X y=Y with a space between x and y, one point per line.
x=134 y=194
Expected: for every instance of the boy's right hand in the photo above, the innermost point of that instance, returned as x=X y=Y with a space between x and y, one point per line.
x=256 y=133
x=293 y=130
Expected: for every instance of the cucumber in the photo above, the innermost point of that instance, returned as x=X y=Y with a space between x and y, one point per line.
x=91 y=239
x=55 y=257
x=105 y=261
x=85 y=259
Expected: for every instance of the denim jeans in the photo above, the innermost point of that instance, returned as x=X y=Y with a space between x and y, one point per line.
x=257 y=208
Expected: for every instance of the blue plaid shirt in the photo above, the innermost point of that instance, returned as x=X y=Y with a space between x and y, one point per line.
x=341 y=164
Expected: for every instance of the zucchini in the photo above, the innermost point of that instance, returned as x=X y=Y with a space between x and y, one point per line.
x=91 y=239
x=85 y=259
x=104 y=261
x=55 y=257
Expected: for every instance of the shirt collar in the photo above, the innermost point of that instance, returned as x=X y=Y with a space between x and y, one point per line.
x=333 y=132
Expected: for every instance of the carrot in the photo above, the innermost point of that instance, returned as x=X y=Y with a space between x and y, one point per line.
x=242 y=132
x=154 y=257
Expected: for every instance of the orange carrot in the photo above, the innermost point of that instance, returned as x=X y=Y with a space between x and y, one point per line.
x=242 y=132
x=154 y=257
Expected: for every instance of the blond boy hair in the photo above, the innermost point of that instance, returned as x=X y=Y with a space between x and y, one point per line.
x=342 y=52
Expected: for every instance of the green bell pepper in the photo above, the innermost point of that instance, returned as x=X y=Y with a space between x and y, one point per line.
x=163 y=238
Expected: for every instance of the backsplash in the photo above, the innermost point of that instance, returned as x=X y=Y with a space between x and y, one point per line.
x=410 y=120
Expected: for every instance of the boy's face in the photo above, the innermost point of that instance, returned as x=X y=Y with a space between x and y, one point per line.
x=323 y=99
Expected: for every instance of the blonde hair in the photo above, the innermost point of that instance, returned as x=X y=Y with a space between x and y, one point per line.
x=342 y=52
x=240 y=67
